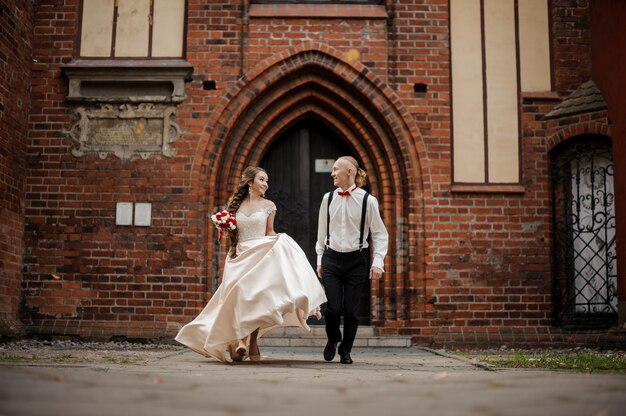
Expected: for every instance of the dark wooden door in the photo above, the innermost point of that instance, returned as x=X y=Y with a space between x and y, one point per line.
x=298 y=165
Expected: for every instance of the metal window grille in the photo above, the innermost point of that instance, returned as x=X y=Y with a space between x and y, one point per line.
x=585 y=257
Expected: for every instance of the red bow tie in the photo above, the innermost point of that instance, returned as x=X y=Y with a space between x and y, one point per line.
x=346 y=193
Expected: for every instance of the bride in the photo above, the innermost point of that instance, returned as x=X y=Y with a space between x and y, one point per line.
x=267 y=281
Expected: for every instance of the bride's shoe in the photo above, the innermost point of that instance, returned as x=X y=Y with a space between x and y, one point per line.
x=233 y=354
x=255 y=354
x=241 y=351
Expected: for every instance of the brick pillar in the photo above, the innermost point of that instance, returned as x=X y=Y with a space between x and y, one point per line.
x=15 y=59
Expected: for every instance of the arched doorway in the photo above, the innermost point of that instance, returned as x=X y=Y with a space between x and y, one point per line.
x=298 y=164
x=311 y=80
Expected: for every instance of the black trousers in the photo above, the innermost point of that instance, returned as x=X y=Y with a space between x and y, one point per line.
x=343 y=277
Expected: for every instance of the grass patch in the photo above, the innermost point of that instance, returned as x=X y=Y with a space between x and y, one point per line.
x=27 y=357
x=61 y=358
x=584 y=362
x=122 y=360
x=66 y=357
x=17 y=358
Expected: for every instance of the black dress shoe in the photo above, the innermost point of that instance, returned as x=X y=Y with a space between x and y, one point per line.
x=329 y=350
x=345 y=358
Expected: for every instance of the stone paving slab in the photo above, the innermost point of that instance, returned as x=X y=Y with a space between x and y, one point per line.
x=296 y=381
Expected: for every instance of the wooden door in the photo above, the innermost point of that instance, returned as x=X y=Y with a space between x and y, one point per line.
x=297 y=186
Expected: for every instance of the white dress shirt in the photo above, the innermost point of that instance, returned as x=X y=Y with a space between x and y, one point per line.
x=345 y=223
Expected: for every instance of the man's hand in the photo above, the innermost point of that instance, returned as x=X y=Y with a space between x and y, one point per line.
x=375 y=273
x=319 y=271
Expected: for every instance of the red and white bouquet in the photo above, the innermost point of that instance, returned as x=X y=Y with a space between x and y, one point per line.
x=224 y=221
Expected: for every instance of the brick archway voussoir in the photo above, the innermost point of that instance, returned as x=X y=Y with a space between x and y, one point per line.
x=578 y=129
x=265 y=74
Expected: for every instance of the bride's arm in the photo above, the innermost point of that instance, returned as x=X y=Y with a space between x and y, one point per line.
x=269 y=230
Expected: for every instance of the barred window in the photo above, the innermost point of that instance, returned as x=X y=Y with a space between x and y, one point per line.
x=585 y=256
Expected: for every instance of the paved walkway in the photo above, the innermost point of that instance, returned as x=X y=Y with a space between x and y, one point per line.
x=296 y=382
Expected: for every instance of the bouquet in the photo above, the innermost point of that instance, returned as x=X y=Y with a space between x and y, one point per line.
x=224 y=221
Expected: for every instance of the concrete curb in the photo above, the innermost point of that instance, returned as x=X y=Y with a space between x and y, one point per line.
x=442 y=353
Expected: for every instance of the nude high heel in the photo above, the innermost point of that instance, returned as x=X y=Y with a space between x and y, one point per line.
x=255 y=354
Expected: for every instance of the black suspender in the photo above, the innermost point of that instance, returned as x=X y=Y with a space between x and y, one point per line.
x=363 y=211
x=362 y=228
x=330 y=198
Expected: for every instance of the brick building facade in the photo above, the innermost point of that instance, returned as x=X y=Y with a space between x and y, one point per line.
x=102 y=120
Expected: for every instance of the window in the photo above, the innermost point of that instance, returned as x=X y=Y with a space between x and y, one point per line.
x=485 y=113
x=132 y=29
x=534 y=45
x=585 y=257
x=499 y=48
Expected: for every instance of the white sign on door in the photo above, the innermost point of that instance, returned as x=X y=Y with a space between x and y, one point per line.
x=324 y=165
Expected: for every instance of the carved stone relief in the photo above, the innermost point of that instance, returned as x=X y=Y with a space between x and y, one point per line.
x=124 y=130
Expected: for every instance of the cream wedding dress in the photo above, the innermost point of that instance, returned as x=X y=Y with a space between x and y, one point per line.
x=269 y=284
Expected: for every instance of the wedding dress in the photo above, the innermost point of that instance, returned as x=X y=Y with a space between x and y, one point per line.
x=269 y=284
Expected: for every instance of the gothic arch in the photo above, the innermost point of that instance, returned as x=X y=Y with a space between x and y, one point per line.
x=312 y=80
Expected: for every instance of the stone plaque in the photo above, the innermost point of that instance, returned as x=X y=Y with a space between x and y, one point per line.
x=124 y=130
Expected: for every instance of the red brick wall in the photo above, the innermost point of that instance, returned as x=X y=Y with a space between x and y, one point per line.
x=269 y=36
x=464 y=268
x=571 y=44
x=85 y=275
x=488 y=255
x=15 y=61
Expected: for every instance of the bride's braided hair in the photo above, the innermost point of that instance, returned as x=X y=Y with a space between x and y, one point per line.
x=234 y=202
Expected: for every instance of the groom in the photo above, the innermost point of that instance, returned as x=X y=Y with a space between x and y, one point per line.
x=347 y=216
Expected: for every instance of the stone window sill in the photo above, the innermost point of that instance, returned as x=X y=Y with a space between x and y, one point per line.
x=128 y=80
x=318 y=11
x=540 y=96
x=488 y=188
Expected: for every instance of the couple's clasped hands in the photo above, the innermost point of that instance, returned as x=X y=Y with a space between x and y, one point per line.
x=375 y=273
